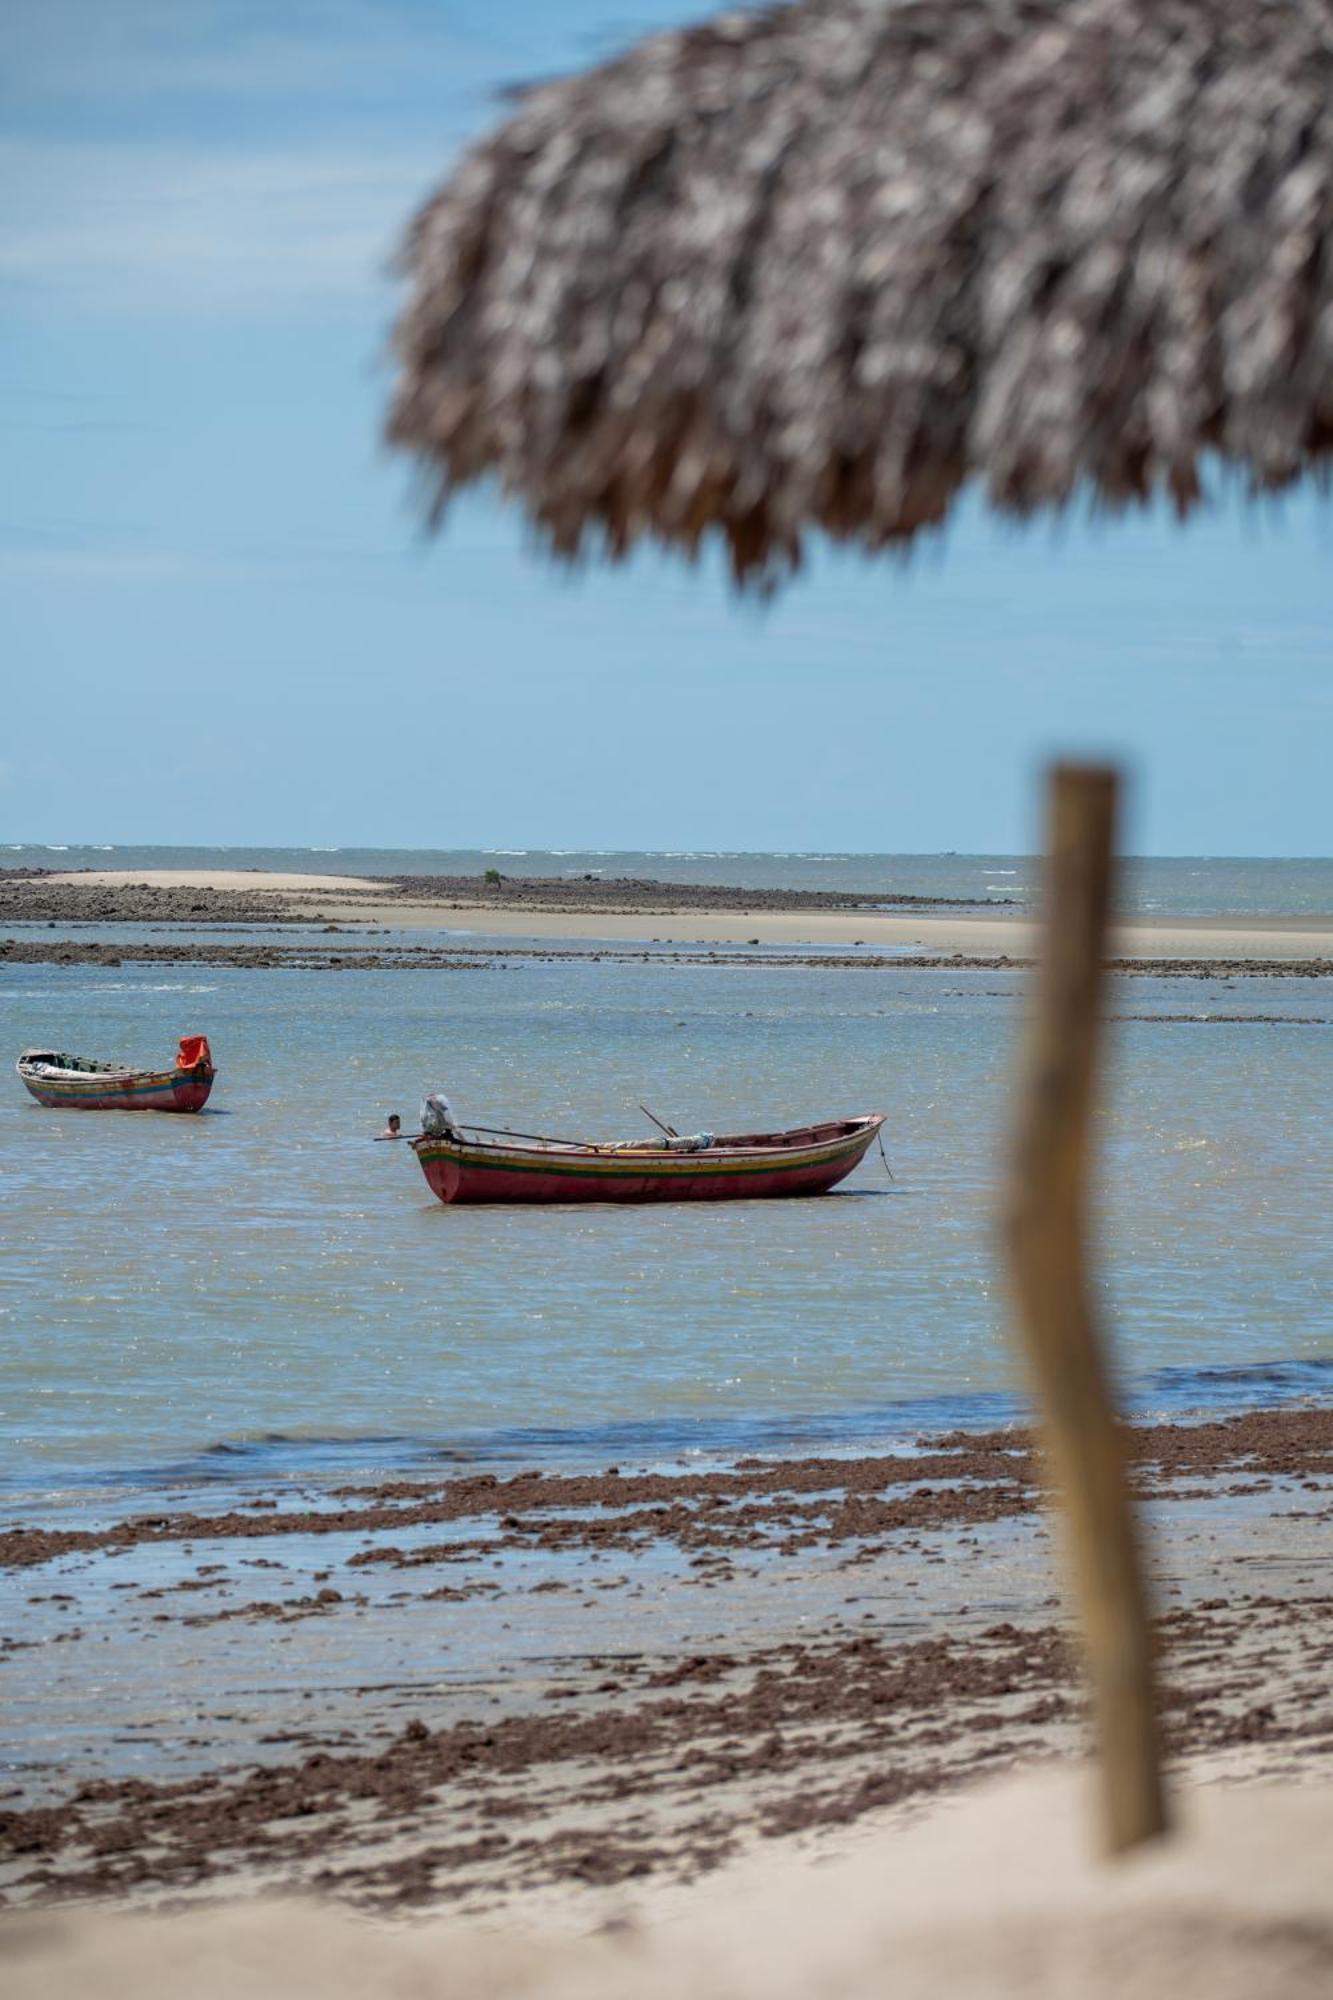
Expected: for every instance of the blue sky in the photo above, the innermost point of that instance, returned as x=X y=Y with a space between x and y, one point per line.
x=221 y=620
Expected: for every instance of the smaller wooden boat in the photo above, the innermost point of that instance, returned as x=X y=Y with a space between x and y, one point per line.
x=463 y=1166
x=76 y=1083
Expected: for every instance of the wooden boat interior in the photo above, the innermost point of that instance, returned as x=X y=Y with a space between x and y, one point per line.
x=474 y=1136
x=48 y=1060
x=744 y=1142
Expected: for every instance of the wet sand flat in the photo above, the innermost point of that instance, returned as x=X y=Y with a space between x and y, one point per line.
x=929 y=934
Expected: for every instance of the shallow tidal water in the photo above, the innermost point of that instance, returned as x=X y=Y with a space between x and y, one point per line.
x=262 y=1294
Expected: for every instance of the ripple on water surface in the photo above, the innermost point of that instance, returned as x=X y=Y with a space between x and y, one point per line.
x=263 y=1278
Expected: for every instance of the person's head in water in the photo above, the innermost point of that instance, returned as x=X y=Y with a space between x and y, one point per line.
x=394 y=1128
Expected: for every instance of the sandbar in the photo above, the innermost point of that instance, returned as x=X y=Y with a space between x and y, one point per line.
x=592 y=916
x=985 y=936
x=247 y=879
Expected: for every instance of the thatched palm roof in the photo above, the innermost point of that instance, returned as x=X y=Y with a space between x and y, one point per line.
x=822 y=265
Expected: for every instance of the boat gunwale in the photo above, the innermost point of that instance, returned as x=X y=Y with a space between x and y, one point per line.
x=842 y=1133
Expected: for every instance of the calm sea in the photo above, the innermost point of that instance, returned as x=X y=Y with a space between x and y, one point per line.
x=260 y=1293
x=1171 y=886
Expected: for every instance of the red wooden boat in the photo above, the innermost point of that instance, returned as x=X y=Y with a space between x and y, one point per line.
x=75 y=1083
x=465 y=1167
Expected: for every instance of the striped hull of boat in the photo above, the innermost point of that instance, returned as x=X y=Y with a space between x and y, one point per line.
x=139 y=1090
x=466 y=1171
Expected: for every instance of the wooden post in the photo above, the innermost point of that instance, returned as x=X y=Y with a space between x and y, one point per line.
x=1048 y=1257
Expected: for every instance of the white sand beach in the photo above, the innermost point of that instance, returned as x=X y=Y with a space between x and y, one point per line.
x=253 y=880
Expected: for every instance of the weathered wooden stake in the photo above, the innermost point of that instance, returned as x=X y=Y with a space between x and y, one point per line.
x=1048 y=1256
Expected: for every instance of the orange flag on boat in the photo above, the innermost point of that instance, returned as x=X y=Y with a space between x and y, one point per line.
x=194 y=1050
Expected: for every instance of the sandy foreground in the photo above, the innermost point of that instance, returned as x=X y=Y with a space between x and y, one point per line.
x=738 y=1727
x=998 y=1893
x=350 y=900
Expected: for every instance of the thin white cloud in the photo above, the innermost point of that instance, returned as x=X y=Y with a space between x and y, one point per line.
x=1304 y=640
x=124 y=566
x=178 y=157
x=132 y=227
x=130 y=52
